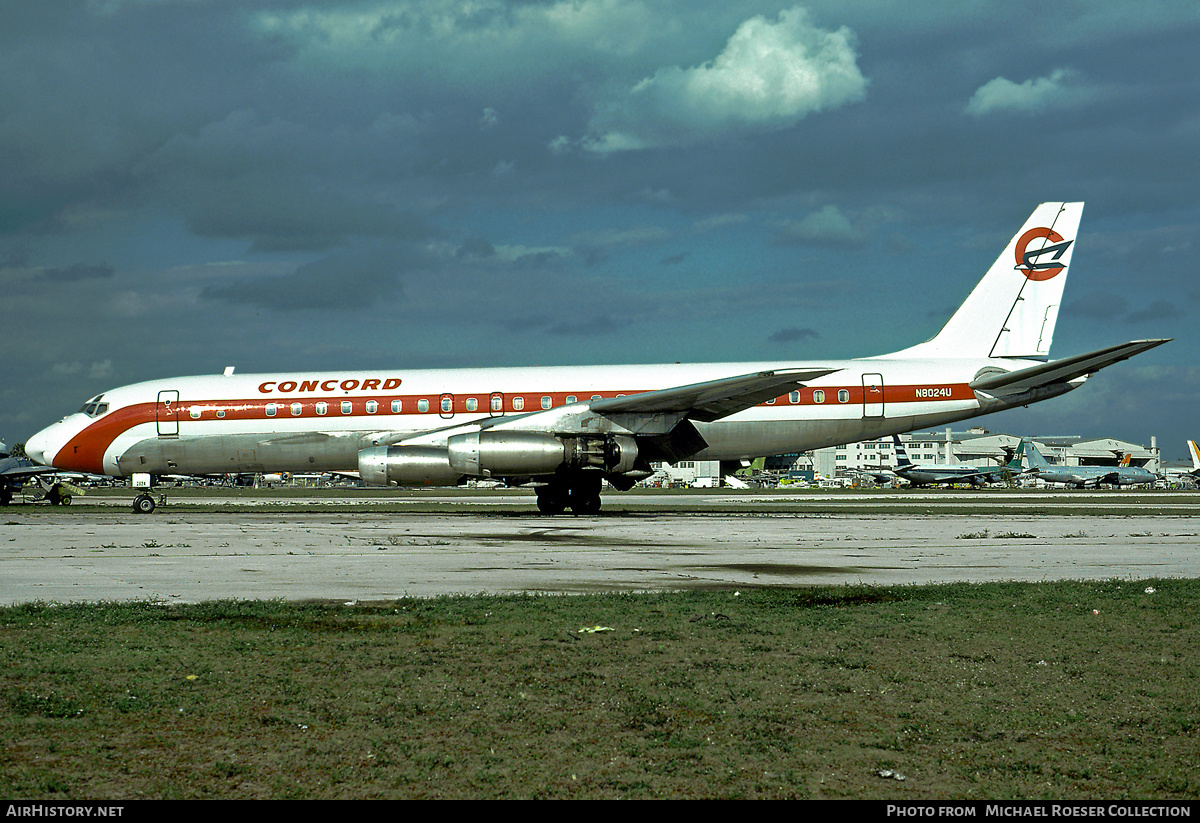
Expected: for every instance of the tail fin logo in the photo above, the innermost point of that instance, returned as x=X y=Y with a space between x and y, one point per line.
x=1031 y=264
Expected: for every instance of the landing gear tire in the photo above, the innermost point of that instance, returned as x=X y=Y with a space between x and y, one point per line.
x=580 y=494
x=586 y=503
x=585 y=495
x=551 y=500
x=143 y=504
x=58 y=497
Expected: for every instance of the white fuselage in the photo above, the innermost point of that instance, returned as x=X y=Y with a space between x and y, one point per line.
x=320 y=421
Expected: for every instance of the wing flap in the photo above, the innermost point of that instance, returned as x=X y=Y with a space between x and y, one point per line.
x=712 y=399
x=1061 y=371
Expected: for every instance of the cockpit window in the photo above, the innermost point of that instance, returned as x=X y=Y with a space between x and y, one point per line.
x=93 y=407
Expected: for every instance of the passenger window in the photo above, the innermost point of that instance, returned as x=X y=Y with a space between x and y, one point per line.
x=570 y=398
x=397 y=406
x=322 y=408
x=447 y=403
x=296 y=409
x=472 y=404
x=518 y=403
x=194 y=411
x=546 y=402
x=347 y=407
x=794 y=397
x=843 y=396
x=818 y=396
x=372 y=407
x=497 y=402
x=422 y=405
x=270 y=410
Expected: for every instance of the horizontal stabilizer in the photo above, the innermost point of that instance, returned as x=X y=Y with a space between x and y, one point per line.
x=713 y=399
x=1060 y=371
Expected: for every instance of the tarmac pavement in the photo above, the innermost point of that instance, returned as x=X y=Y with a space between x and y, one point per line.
x=177 y=555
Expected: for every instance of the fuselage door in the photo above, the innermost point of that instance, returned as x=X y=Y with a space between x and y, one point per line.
x=872 y=395
x=167 y=413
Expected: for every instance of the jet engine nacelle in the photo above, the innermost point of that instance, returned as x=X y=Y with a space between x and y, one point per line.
x=495 y=454
x=406 y=466
x=502 y=453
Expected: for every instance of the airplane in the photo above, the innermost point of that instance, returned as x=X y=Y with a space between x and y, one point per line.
x=924 y=475
x=1195 y=452
x=1081 y=476
x=880 y=476
x=15 y=472
x=566 y=430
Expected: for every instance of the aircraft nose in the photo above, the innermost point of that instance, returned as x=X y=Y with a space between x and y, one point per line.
x=38 y=448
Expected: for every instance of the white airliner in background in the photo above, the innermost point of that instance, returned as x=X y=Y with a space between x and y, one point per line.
x=564 y=430
x=1194 y=451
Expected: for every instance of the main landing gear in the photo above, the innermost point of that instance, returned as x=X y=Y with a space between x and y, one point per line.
x=580 y=493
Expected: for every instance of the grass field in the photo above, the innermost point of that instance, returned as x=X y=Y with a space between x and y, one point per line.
x=996 y=691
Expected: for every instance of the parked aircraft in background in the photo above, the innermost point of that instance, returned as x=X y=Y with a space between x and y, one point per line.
x=937 y=474
x=1194 y=450
x=1081 y=476
x=16 y=472
x=565 y=430
x=880 y=475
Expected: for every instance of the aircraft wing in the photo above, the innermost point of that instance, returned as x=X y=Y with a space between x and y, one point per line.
x=14 y=473
x=713 y=399
x=1061 y=371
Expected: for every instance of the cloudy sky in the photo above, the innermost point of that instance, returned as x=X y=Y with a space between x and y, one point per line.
x=278 y=185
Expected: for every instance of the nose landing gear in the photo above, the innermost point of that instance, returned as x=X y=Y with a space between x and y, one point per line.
x=144 y=503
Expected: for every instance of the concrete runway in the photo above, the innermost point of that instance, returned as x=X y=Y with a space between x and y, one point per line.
x=181 y=555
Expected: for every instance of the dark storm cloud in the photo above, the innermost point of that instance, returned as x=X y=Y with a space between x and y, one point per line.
x=336 y=282
x=78 y=271
x=91 y=89
x=1156 y=311
x=286 y=185
x=591 y=326
x=792 y=335
x=1097 y=305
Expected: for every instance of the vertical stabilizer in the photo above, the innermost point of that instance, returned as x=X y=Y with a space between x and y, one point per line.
x=1013 y=309
x=1014 y=462
x=1195 y=452
x=1036 y=461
